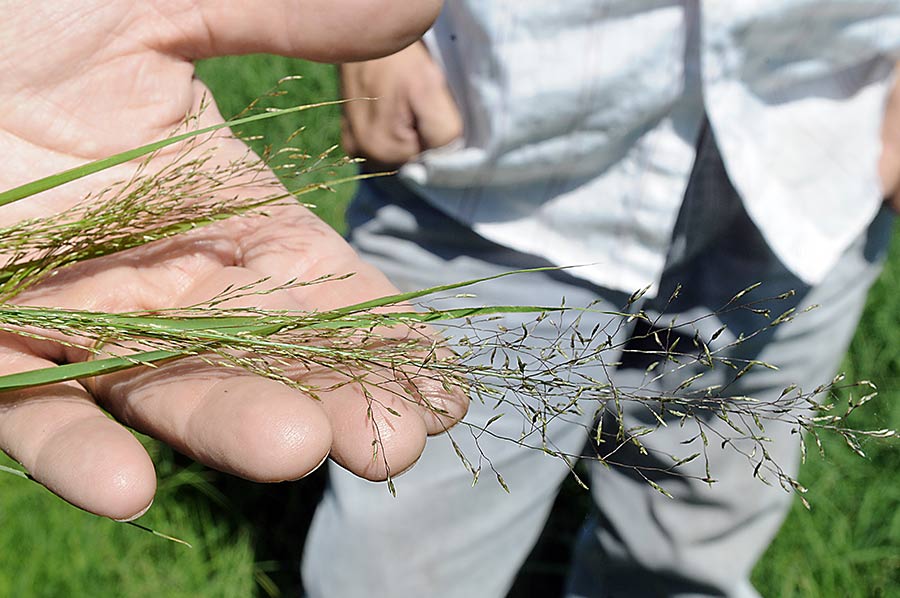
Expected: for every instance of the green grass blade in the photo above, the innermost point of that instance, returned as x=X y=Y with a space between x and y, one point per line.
x=84 y=369
x=221 y=331
x=15 y=472
x=442 y=315
x=401 y=297
x=144 y=528
x=61 y=178
x=222 y=335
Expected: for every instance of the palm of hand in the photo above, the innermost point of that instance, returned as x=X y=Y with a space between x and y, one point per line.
x=97 y=80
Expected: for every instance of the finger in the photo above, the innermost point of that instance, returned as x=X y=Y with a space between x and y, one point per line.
x=230 y=420
x=260 y=429
x=224 y=417
x=378 y=432
x=383 y=131
x=366 y=402
x=418 y=369
x=321 y=30
x=67 y=444
x=437 y=117
x=442 y=398
x=348 y=137
x=273 y=252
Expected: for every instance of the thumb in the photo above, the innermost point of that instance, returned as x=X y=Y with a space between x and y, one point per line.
x=320 y=30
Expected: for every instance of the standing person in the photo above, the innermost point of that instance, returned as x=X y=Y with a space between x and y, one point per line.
x=694 y=143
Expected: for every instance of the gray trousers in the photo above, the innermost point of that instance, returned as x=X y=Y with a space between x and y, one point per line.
x=443 y=537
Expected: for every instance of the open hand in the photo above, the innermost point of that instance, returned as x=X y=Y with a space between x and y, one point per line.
x=87 y=79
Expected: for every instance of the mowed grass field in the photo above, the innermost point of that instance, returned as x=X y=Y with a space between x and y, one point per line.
x=247 y=538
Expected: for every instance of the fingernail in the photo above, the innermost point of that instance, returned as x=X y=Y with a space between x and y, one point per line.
x=313 y=470
x=139 y=514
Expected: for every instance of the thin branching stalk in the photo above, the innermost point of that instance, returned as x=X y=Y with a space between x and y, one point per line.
x=523 y=373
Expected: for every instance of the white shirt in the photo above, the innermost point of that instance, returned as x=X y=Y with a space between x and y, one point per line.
x=581 y=119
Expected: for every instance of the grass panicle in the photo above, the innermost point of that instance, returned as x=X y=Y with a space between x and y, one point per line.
x=540 y=378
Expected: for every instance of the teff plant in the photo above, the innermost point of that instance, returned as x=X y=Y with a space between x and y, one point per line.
x=521 y=372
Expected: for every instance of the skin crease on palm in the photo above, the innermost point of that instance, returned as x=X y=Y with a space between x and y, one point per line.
x=86 y=79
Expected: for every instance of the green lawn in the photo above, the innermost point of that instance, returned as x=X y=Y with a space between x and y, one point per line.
x=247 y=537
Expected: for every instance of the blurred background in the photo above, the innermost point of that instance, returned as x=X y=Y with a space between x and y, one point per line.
x=247 y=538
